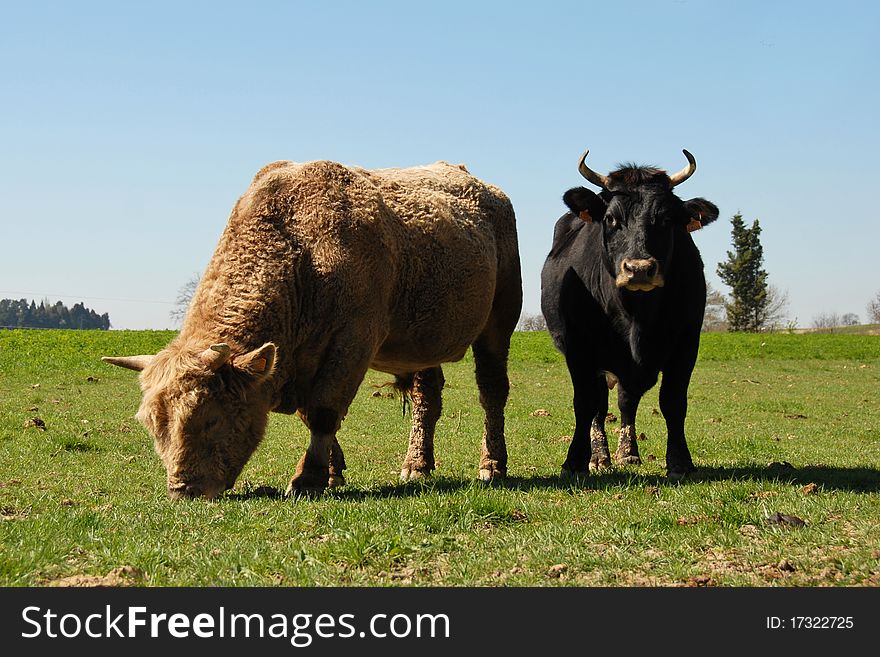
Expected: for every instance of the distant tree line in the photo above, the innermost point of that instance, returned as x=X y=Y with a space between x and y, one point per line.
x=27 y=314
x=831 y=321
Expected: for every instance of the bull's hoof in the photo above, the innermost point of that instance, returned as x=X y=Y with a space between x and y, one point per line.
x=336 y=480
x=412 y=473
x=308 y=484
x=491 y=473
x=600 y=463
x=295 y=492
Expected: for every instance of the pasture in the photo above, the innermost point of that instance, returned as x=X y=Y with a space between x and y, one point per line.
x=778 y=424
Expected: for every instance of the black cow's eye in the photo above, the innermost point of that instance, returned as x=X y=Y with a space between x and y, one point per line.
x=611 y=221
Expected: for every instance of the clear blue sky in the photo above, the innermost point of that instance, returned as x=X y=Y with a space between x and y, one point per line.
x=128 y=130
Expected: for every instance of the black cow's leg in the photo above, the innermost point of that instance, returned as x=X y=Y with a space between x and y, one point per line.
x=490 y=359
x=628 y=446
x=589 y=444
x=600 y=456
x=673 y=404
x=426 y=396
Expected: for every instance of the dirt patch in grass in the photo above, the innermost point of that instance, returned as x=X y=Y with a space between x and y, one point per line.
x=122 y=576
x=11 y=513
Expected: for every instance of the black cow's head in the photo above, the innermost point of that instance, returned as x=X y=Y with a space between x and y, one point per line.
x=641 y=218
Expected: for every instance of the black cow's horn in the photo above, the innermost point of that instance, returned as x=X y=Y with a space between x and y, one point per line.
x=589 y=174
x=687 y=172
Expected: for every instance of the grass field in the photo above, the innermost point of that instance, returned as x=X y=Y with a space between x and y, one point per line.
x=777 y=423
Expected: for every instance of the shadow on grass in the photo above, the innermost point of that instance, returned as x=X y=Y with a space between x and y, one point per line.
x=861 y=480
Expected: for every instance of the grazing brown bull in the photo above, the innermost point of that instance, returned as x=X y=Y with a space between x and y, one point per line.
x=324 y=271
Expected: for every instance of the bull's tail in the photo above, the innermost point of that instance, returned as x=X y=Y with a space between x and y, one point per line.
x=403 y=385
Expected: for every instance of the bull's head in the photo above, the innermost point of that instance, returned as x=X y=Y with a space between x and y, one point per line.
x=206 y=410
x=640 y=216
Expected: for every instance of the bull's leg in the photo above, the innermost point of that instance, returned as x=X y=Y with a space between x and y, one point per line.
x=312 y=474
x=673 y=404
x=336 y=461
x=333 y=389
x=628 y=446
x=425 y=393
x=337 y=465
x=490 y=357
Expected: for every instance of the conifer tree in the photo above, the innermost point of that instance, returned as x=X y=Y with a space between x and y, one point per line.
x=743 y=273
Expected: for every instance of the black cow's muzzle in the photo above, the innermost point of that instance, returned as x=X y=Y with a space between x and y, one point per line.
x=639 y=275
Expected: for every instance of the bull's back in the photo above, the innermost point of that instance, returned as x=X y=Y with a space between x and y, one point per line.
x=458 y=244
x=414 y=256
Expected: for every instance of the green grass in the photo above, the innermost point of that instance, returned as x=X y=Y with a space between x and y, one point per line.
x=86 y=495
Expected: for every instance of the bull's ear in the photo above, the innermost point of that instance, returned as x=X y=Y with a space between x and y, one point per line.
x=259 y=363
x=584 y=204
x=700 y=212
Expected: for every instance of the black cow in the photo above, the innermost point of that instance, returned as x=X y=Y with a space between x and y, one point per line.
x=623 y=293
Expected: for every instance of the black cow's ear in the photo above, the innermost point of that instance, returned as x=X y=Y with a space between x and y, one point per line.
x=584 y=203
x=700 y=212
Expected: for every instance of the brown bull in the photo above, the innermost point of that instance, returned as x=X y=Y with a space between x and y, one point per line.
x=324 y=271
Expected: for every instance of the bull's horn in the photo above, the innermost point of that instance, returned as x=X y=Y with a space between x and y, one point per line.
x=687 y=172
x=589 y=174
x=216 y=355
x=136 y=363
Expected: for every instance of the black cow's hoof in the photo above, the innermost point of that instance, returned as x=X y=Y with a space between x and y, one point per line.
x=627 y=460
x=568 y=473
x=677 y=474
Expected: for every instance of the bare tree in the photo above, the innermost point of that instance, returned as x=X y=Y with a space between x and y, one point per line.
x=531 y=323
x=849 y=319
x=776 y=310
x=715 y=317
x=874 y=309
x=184 y=297
x=826 y=321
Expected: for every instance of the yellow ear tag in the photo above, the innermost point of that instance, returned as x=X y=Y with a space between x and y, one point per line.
x=585 y=216
x=694 y=225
